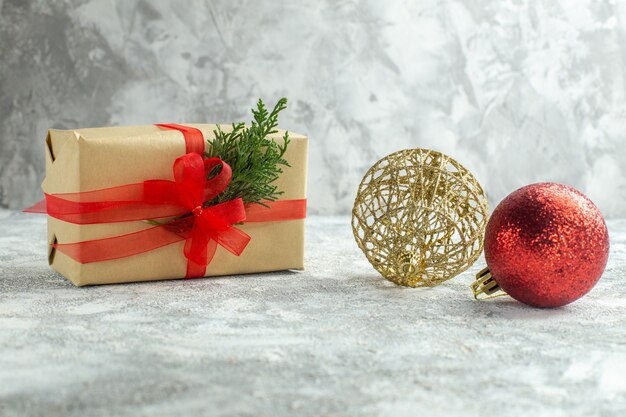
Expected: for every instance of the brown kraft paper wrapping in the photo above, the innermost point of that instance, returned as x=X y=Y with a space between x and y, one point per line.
x=91 y=159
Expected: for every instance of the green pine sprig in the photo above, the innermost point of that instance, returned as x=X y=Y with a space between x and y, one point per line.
x=255 y=159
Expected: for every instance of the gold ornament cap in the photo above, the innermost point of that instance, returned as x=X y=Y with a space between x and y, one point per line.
x=419 y=217
x=485 y=286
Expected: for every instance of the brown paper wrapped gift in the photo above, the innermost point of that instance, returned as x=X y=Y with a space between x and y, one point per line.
x=91 y=159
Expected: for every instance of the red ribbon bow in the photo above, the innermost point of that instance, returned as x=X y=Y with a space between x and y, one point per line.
x=207 y=226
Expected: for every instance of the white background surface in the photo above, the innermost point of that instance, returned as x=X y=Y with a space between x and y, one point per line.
x=334 y=340
x=517 y=91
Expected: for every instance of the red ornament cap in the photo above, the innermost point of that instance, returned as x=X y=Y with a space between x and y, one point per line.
x=546 y=245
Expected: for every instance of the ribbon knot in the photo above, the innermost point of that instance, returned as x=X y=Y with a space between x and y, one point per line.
x=197 y=211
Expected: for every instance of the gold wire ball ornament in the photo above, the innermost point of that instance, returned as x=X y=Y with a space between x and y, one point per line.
x=419 y=217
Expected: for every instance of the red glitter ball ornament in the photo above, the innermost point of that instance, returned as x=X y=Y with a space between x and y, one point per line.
x=546 y=245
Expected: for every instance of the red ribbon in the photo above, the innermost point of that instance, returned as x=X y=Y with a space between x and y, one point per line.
x=202 y=228
x=194 y=140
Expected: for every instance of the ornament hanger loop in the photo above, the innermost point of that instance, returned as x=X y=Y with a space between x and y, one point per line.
x=485 y=287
